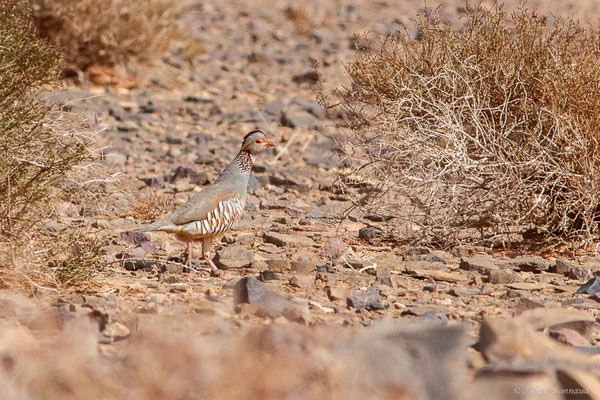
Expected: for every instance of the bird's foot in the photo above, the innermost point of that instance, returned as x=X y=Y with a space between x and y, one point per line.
x=214 y=271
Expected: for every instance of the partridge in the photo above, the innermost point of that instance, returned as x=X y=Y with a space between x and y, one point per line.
x=218 y=207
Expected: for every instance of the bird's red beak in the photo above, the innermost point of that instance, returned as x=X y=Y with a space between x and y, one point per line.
x=269 y=144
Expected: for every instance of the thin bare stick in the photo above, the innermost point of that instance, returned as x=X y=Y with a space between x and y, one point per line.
x=363 y=269
x=285 y=148
x=39 y=286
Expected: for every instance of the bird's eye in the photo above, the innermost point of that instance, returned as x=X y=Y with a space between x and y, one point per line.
x=258 y=141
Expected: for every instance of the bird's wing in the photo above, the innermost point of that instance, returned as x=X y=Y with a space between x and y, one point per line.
x=203 y=203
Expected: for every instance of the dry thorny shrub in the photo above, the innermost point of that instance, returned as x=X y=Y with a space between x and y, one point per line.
x=55 y=260
x=490 y=129
x=149 y=206
x=44 y=152
x=105 y=33
x=36 y=149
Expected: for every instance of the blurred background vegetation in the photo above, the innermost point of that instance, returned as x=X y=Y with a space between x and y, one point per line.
x=45 y=151
x=96 y=36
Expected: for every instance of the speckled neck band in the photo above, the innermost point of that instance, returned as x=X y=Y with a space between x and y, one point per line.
x=244 y=161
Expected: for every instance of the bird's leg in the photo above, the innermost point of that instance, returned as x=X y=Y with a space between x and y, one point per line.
x=210 y=262
x=206 y=245
x=189 y=253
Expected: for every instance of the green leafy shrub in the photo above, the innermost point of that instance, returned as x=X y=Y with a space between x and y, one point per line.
x=485 y=130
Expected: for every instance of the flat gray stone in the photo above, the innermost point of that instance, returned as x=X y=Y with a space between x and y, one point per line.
x=278 y=264
x=334 y=248
x=499 y=276
x=299 y=119
x=439 y=317
x=234 y=256
x=563 y=266
x=303 y=266
x=481 y=263
x=303 y=281
x=271 y=304
x=284 y=240
x=527 y=264
x=419 y=265
x=438 y=275
x=527 y=286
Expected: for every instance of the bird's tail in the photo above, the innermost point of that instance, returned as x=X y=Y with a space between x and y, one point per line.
x=150 y=227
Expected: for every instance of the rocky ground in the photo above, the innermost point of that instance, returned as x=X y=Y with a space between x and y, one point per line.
x=305 y=305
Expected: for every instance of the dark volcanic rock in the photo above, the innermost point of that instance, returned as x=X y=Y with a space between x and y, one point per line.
x=325 y=268
x=369 y=300
x=369 y=232
x=307 y=77
x=590 y=287
x=154 y=181
x=142 y=242
x=135 y=238
x=269 y=275
x=436 y=256
x=252 y=291
x=183 y=171
x=145 y=265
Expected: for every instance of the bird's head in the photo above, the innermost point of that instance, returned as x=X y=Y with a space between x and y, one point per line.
x=256 y=141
